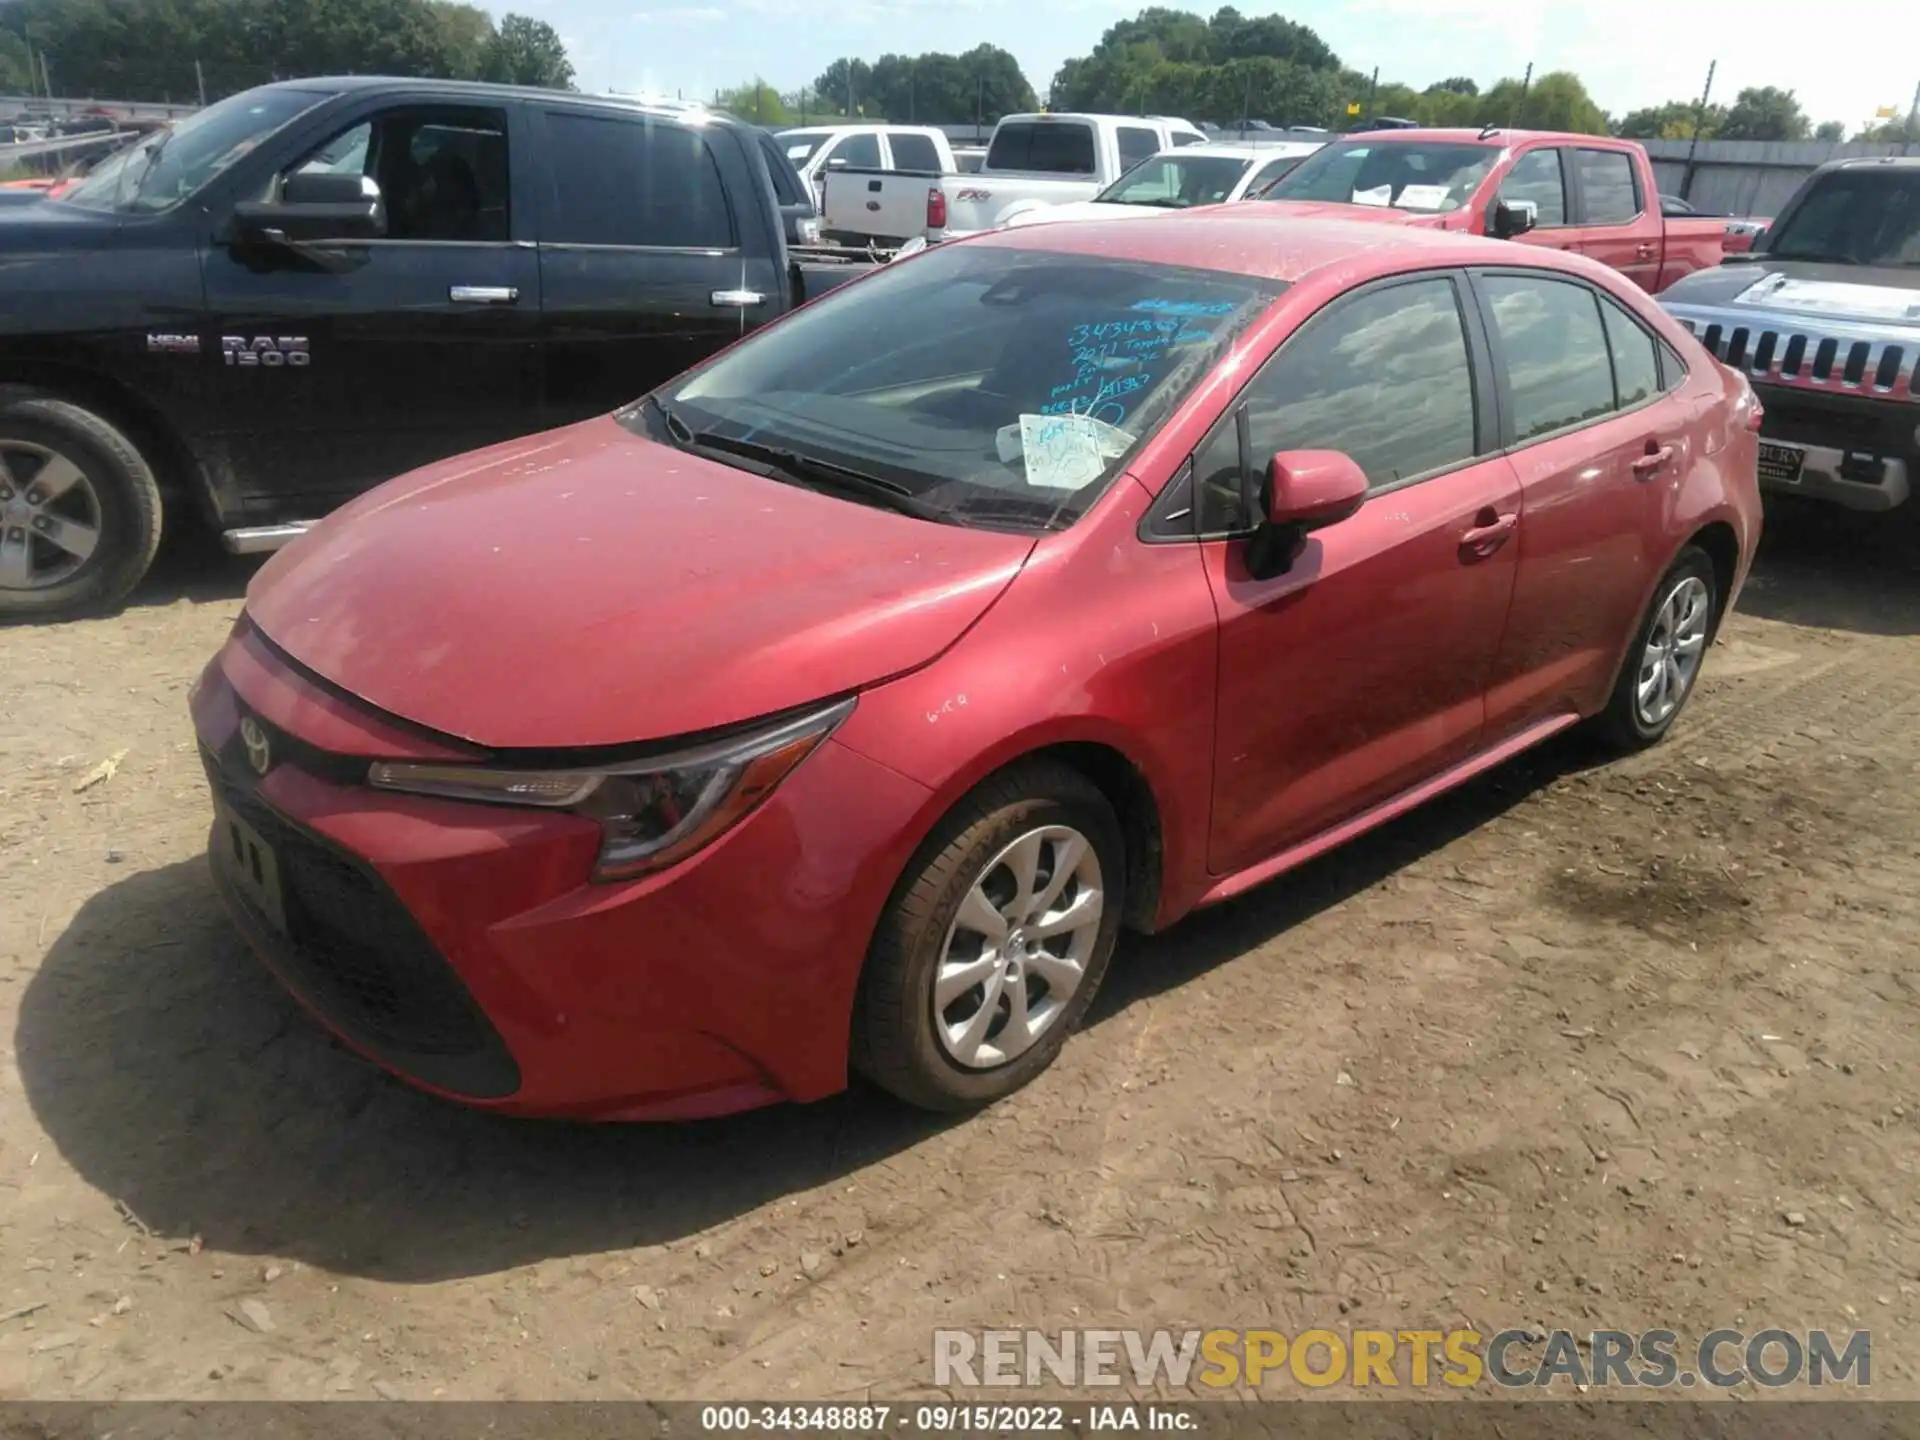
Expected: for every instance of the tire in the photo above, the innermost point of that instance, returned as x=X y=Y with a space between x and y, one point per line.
x=116 y=497
x=1626 y=725
x=898 y=1041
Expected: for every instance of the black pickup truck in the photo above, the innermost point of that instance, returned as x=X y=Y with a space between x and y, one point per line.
x=248 y=318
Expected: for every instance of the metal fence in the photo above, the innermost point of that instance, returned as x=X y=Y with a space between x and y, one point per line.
x=1745 y=177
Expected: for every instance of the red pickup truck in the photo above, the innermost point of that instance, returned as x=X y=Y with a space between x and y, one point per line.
x=1588 y=193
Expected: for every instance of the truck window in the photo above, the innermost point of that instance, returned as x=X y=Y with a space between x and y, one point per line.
x=786 y=183
x=441 y=170
x=914 y=152
x=1052 y=147
x=1608 y=193
x=1537 y=176
x=862 y=152
x=1136 y=144
x=1854 y=217
x=633 y=180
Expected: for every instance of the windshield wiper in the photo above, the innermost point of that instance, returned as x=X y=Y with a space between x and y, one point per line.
x=781 y=463
x=146 y=163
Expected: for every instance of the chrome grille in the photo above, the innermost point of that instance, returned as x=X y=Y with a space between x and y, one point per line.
x=1839 y=358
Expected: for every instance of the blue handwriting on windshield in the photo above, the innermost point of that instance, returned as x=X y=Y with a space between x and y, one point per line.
x=1186 y=307
x=1114 y=360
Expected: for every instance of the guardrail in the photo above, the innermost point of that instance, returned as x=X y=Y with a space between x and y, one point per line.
x=42 y=149
x=66 y=109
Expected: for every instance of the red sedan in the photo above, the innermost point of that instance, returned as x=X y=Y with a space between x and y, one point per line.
x=836 y=704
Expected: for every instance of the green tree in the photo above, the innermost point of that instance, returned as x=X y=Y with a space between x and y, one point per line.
x=930 y=89
x=526 y=51
x=1554 y=101
x=1454 y=85
x=845 y=84
x=756 y=101
x=1765 y=114
x=1672 y=121
x=1893 y=132
x=1834 y=130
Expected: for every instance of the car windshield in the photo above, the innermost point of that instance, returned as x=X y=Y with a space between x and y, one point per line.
x=1429 y=176
x=988 y=384
x=1854 y=217
x=172 y=164
x=1174 y=182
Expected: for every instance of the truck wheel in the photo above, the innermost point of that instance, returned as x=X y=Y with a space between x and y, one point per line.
x=995 y=941
x=79 y=509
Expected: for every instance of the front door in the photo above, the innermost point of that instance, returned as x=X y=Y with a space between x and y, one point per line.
x=642 y=268
x=344 y=364
x=1364 y=668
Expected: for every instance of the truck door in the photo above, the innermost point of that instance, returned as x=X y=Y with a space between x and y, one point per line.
x=340 y=365
x=644 y=263
x=1617 y=223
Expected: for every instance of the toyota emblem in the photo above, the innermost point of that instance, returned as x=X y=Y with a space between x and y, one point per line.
x=259 y=752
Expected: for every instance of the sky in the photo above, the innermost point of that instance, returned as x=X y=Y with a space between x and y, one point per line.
x=1630 y=52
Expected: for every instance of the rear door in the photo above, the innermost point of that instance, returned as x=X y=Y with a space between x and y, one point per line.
x=1599 y=444
x=646 y=228
x=1617 y=222
x=1363 y=669
x=357 y=361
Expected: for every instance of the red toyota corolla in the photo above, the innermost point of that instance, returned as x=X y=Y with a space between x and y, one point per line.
x=836 y=704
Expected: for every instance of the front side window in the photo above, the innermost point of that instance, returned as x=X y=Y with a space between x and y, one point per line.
x=1048 y=147
x=1426 y=176
x=633 y=180
x=859 y=152
x=170 y=165
x=442 y=171
x=1384 y=378
x=1536 y=176
x=1607 y=191
x=999 y=385
x=1558 y=367
x=1175 y=182
x=914 y=152
x=800 y=144
x=1136 y=144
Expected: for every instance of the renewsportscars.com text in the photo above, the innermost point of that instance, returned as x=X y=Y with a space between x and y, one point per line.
x=1414 y=1359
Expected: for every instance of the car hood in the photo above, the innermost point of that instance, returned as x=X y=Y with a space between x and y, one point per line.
x=1889 y=295
x=1333 y=210
x=590 y=587
x=1087 y=210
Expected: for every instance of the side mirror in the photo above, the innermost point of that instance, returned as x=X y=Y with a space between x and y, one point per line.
x=1511 y=218
x=316 y=206
x=1308 y=489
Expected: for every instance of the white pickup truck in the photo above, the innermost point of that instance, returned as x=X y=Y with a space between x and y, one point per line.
x=1051 y=159
x=817 y=149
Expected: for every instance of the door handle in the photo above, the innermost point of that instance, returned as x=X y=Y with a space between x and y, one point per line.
x=737 y=299
x=1653 y=461
x=1488 y=534
x=482 y=294
x=1644 y=250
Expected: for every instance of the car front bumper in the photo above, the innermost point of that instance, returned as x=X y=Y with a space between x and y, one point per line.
x=464 y=948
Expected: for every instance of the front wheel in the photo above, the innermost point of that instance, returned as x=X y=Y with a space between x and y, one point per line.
x=995 y=941
x=1668 y=650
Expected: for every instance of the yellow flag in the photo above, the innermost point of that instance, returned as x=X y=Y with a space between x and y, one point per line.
x=1885 y=112
x=1353 y=108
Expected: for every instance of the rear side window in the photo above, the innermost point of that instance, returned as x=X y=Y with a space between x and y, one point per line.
x=633 y=180
x=1636 y=364
x=1056 y=148
x=1383 y=377
x=914 y=152
x=786 y=183
x=1537 y=176
x=1558 y=367
x=1136 y=144
x=1607 y=188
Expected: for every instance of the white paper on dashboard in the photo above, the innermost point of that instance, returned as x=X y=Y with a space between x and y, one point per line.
x=1068 y=452
x=1379 y=195
x=1423 y=197
x=798 y=152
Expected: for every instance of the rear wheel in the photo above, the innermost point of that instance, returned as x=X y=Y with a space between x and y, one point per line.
x=1668 y=650
x=995 y=943
x=79 y=509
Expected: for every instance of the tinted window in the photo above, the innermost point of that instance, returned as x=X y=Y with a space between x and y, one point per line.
x=441 y=172
x=1536 y=176
x=1855 y=217
x=1060 y=148
x=1673 y=369
x=1606 y=186
x=914 y=152
x=1556 y=353
x=1136 y=145
x=1004 y=386
x=1383 y=377
x=1422 y=175
x=1636 y=364
x=861 y=152
x=786 y=183
x=800 y=144
x=1180 y=137
x=621 y=180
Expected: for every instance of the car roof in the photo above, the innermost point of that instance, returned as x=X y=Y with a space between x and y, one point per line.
x=1498 y=136
x=482 y=92
x=1253 y=239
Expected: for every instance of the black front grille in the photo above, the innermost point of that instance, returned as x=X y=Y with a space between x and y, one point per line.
x=1844 y=422
x=354 y=953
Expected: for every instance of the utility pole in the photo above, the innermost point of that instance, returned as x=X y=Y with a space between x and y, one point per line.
x=46 y=76
x=849 y=89
x=1699 y=121
x=1373 y=84
x=1913 y=122
x=979 y=99
x=1246 y=105
x=1520 y=105
x=200 y=79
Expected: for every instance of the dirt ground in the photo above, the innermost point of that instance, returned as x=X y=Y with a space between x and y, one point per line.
x=1566 y=1048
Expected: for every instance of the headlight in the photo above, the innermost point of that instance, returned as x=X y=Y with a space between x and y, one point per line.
x=652 y=812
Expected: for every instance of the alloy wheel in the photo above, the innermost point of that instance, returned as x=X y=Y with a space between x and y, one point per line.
x=1670 y=660
x=50 y=516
